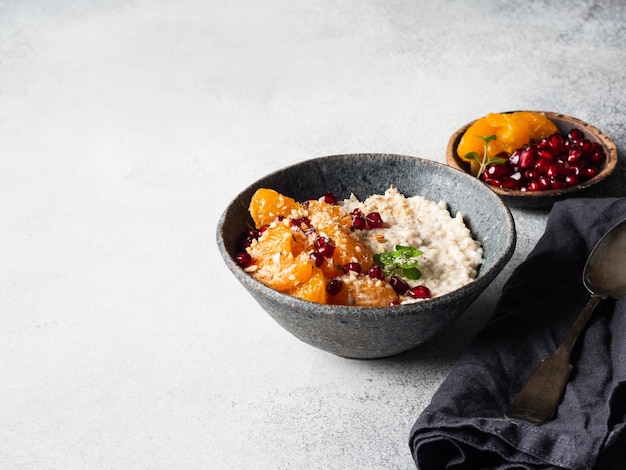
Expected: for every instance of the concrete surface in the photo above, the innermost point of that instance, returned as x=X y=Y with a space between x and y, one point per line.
x=126 y=126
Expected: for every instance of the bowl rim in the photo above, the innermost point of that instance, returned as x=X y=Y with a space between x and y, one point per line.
x=609 y=145
x=483 y=278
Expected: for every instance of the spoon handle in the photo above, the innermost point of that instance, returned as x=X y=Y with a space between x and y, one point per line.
x=539 y=398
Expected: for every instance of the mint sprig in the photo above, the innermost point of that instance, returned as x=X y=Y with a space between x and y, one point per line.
x=484 y=160
x=400 y=262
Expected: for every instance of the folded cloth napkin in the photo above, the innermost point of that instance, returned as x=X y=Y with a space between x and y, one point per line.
x=463 y=427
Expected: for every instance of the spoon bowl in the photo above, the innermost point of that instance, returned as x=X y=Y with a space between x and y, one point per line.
x=604 y=276
x=605 y=270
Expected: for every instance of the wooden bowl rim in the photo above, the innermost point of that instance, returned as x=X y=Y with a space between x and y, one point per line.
x=590 y=131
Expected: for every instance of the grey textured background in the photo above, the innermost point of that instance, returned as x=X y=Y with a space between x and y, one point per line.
x=126 y=127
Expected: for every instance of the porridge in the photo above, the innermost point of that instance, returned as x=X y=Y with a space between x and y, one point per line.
x=451 y=257
x=384 y=250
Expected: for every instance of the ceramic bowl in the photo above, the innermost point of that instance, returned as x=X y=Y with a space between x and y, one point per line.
x=543 y=199
x=373 y=332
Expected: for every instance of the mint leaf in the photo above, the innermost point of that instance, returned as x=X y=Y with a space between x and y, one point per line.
x=484 y=160
x=488 y=138
x=496 y=160
x=411 y=273
x=402 y=262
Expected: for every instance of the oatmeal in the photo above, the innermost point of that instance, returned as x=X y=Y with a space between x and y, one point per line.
x=385 y=250
x=451 y=257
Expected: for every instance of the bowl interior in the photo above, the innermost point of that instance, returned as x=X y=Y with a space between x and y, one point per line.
x=545 y=198
x=365 y=174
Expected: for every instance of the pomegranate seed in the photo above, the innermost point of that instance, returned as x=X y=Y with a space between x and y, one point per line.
x=597 y=158
x=574 y=155
x=420 y=292
x=327 y=250
x=495 y=170
x=587 y=147
x=546 y=154
x=530 y=174
x=357 y=212
x=528 y=156
x=334 y=286
x=317 y=259
x=555 y=141
x=300 y=223
x=354 y=267
x=398 y=284
x=510 y=184
x=358 y=223
x=575 y=135
x=243 y=259
x=593 y=147
x=324 y=247
x=329 y=198
x=544 y=182
x=554 y=162
x=575 y=170
x=543 y=144
x=515 y=157
x=533 y=186
x=374 y=220
x=493 y=181
x=542 y=165
x=394 y=303
x=249 y=237
x=553 y=171
x=589 y=172
x=376 y=272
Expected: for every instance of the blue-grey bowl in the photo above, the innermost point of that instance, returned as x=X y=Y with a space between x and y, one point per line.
x=374 y=332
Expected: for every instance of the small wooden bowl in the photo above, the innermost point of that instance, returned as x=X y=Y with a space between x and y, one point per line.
x=539 y=199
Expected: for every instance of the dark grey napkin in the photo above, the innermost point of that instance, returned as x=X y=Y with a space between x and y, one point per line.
x=463 y=427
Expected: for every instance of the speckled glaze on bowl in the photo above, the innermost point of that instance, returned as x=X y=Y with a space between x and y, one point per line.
x=374 y=332
x=544 y=199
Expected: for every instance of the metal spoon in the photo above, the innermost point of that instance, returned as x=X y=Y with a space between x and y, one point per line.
x=604 y=276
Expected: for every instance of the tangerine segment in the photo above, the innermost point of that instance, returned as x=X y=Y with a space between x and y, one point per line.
x=331 y=269
x=314 y=289
x=372 y=292
x=364 y=291
x=471 y=143
x=513 y=131
x=324 y=215
x=267 y=204
x=539 y=126
x=281 y=259
x=349 y=249
x=275 y=239
x=285 y=272
x=340 y=298
x=334 y=223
